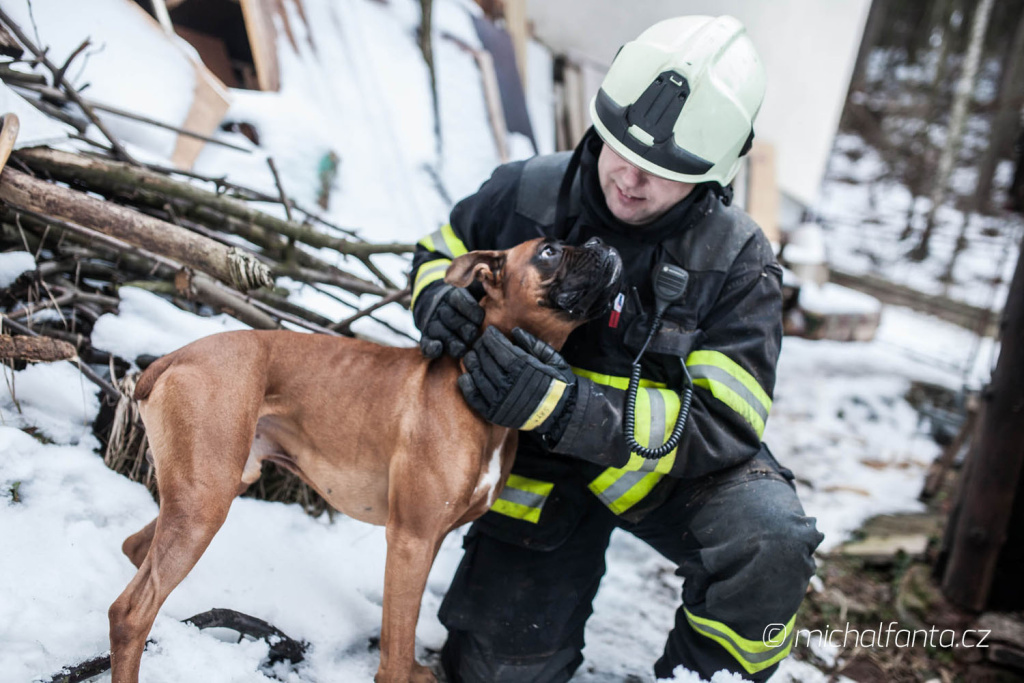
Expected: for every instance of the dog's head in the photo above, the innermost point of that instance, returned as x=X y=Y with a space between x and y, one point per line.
x=543 y=286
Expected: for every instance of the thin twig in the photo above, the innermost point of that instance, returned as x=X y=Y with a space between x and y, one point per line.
x=67 y=62
x=280 y=189
x=288 y=317
x=385 y=280
x=383 y=323
x=345 y=326
x=54 y=94
x=119 y=149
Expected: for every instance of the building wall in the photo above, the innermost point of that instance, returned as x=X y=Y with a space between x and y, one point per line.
x=808 y=47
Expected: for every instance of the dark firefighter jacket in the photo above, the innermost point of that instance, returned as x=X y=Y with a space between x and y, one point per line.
x=727 y=330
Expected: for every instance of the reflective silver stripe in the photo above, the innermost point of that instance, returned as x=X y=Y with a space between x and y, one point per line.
x=658 y=426
x=441 y=244
x=423 y=272
x=719 y=375
x=751 y=657
x=520 y=497
x=621 y=485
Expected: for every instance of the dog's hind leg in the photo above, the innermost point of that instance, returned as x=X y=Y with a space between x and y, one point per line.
x=137 y=545
x=200 y=448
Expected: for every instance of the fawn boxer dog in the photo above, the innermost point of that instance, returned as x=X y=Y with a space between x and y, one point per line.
x=382 y=433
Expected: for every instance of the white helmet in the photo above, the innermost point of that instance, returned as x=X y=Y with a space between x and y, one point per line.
x=680 y=100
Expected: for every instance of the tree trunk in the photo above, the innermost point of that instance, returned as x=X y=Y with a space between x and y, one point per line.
x=40 y=197
x=994 y=468
x=1006 y=121
x=869 y=40
x=427 y=48
x=35 y=348
x=919 y=171
x=957 y=119
x=112 y=176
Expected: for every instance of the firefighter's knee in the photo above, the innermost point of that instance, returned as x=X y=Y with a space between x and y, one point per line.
x=470 y=658
x=757 y=554
x=743 y=588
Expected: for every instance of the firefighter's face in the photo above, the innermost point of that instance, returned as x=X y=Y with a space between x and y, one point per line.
x=635 y=196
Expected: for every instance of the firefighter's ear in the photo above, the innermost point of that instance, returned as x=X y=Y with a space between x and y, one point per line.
x=481 y=266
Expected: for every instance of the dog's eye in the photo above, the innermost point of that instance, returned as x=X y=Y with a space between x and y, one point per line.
x=548 y=252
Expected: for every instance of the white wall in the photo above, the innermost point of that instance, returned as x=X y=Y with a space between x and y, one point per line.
x=808 y=47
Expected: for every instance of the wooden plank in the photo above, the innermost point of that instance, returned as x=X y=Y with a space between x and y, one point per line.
x=214 y=53
x=950 y=310
x=575 y=107
x=210 y=101
x=561 y=134
x=517 y=24
x=209 y=104
x=492 y=96
x=263 y=42
x=763 y=189
x=162 y=15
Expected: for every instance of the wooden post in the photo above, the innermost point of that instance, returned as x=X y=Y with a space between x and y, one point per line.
x=994 y=467
x=763 y=190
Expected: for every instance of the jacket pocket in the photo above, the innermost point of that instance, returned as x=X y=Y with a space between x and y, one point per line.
x=540 y=506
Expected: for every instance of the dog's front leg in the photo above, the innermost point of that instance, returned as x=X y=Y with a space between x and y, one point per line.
x=410 y=556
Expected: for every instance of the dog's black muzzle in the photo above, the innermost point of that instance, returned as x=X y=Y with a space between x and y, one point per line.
x=588 y=281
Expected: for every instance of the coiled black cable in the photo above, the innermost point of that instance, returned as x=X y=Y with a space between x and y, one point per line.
x=629 y=425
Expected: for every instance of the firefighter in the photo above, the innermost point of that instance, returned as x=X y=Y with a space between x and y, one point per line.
x=671 y=121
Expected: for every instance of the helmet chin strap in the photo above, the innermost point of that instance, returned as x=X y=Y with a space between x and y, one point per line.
x=565 y=189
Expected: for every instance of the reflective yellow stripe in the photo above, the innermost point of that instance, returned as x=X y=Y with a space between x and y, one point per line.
x=662 y=420
x=718 y=359
x=554 y=393
x=428 y=242
x=455 y=245
x=620 y=488
x=752 y=655
x=431 y=271
x=613 y=381
x=523 y=498
x=732 y=385
x=727 y=396
x=444 y=241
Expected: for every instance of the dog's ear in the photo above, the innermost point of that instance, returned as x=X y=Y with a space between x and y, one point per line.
x=483 y=266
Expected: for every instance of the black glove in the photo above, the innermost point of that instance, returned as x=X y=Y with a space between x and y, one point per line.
x=525 y=385
x=449 y=320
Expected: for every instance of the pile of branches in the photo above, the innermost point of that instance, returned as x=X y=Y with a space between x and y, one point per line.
x=99 y=220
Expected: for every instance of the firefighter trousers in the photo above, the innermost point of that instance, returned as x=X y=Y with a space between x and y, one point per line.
x=739 y=538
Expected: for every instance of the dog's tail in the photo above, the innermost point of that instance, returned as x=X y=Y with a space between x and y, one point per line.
x=146 y=381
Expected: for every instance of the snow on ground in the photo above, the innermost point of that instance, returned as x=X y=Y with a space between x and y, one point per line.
x=13 y=264
x=840 y=419
x=865 y=211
